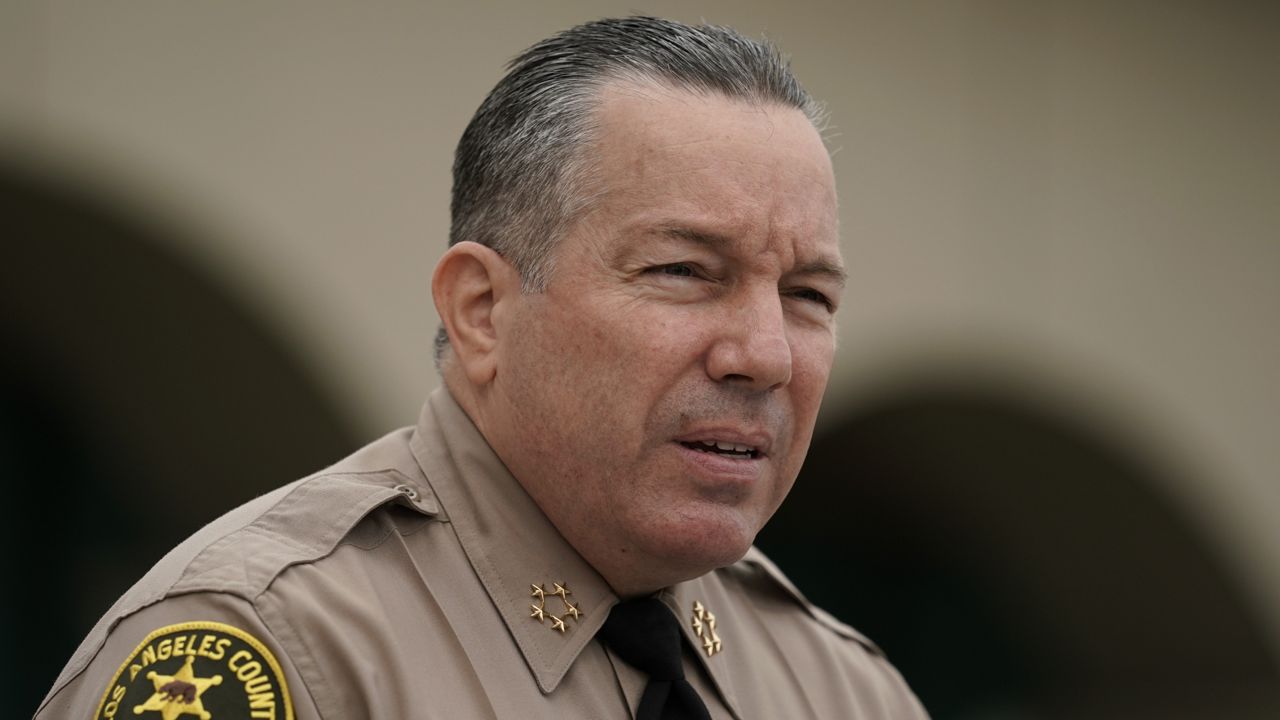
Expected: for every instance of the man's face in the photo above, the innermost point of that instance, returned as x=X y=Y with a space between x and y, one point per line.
x=660 y=395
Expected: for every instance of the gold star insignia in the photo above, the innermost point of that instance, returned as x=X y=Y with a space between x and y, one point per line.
x=538 y=611
x=179 y=693
x=704 y=626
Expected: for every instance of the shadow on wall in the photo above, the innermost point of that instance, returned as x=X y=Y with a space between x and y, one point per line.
x=1014 y=565
x=138 y=401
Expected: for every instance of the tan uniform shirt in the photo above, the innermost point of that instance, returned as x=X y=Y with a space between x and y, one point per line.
x=417 y=579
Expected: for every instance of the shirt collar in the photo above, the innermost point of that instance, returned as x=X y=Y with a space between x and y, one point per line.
x=709 y=594
x=511 y=544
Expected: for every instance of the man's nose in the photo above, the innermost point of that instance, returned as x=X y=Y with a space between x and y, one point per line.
x=752 y=348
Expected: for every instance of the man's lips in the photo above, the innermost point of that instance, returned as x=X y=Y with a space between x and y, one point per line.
x=717 y=447
x=731 y=443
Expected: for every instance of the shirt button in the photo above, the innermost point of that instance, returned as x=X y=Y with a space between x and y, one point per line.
x=405 y=489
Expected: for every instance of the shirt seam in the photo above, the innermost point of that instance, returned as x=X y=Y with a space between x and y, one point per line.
x=315 y=691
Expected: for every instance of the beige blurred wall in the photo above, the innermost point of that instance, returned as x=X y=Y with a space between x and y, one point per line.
x=1080 y=200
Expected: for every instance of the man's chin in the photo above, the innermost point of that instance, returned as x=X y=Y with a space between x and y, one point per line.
x=697 y=545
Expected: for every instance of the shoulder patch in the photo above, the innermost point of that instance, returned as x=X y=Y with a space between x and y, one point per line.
x=209 y=670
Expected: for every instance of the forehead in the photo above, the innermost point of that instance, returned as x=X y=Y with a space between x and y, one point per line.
x=753 y=172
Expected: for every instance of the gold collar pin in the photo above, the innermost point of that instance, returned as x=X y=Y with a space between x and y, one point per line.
x=538 y=611
x=704 y=626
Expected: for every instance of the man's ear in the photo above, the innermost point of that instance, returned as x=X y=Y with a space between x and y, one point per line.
x=469 y=282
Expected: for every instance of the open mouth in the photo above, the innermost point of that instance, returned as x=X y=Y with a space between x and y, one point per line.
x=733 y=450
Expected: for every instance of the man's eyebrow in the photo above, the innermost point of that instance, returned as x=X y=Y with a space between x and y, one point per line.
x=679 y=232
x=822 y=267
x=829 y=269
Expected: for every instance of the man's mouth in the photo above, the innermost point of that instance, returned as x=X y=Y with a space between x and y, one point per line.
x=727 y=449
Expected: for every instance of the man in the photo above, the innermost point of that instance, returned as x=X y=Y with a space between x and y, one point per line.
x=638 y=325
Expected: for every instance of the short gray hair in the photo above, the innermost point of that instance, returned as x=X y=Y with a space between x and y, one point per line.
x=520 y=175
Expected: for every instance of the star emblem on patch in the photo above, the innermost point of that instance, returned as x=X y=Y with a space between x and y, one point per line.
x=178 y=694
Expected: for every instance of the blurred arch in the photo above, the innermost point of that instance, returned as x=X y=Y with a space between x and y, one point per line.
x=139 y=399
x=1015 y=563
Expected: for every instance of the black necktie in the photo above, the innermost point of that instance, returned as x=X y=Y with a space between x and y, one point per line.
x=645 y=634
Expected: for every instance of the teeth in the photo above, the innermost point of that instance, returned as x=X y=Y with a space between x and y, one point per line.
x=726 y=446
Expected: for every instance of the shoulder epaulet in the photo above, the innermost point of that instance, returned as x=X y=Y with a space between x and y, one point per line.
x=757 y=559
x=305 y=525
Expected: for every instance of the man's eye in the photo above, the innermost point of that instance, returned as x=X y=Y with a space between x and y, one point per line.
x=814 y=296
x=676 y=270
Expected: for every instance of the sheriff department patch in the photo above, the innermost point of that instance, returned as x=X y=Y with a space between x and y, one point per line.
x=206 y=669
